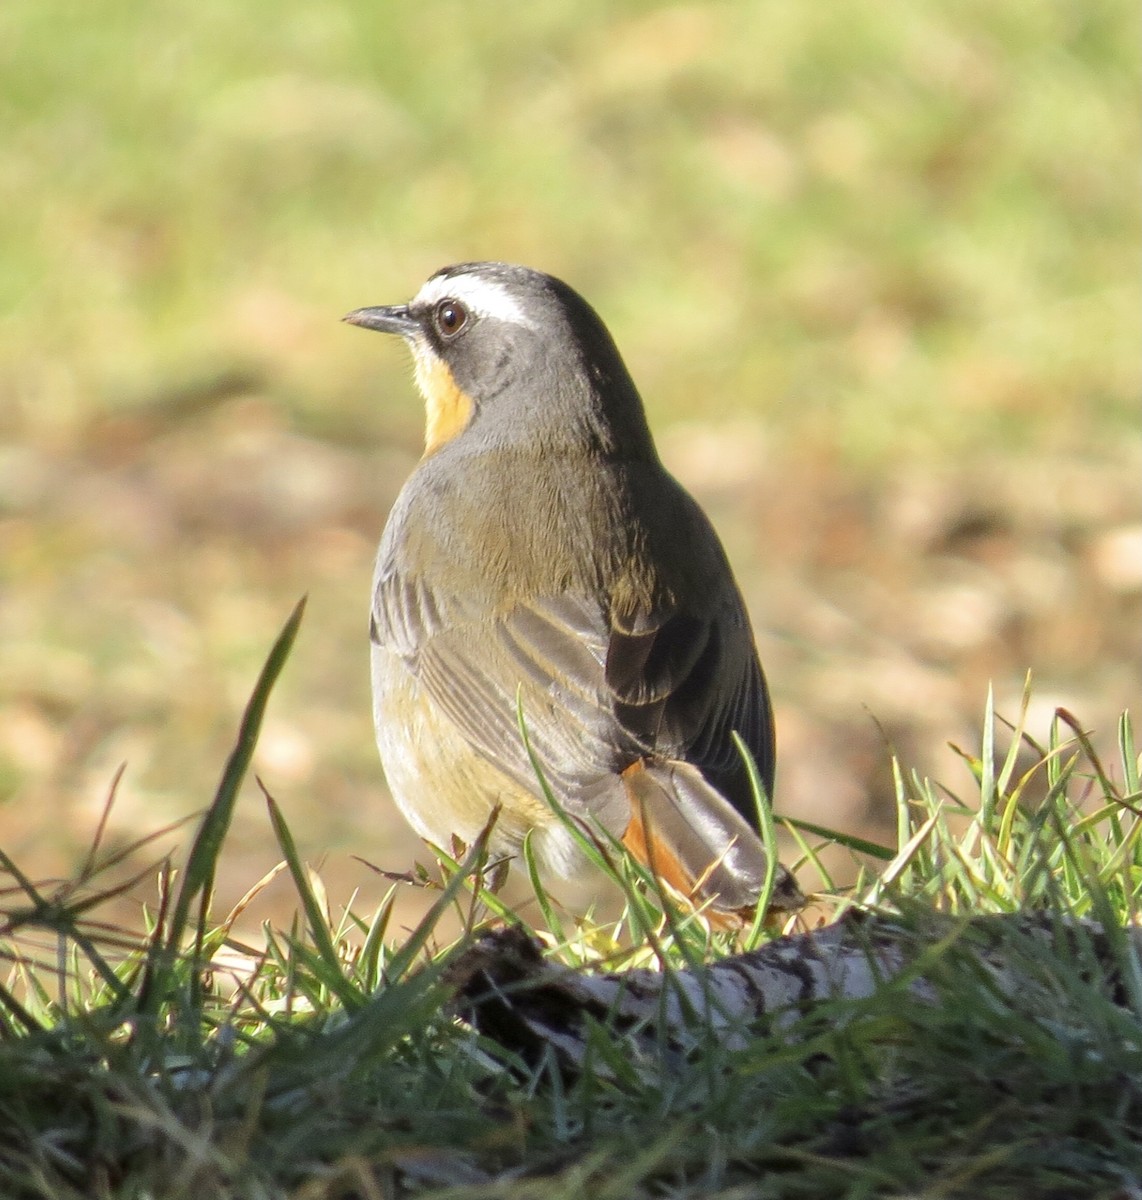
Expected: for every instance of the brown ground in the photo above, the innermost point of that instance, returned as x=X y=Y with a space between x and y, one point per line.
x=153 y=559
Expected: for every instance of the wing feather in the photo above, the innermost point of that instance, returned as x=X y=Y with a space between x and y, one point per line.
x=597 y=693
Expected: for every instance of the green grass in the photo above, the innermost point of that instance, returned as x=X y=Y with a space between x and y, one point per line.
x=896 y=232
x=331 y=1065
x=885 y=241
x=892 y=221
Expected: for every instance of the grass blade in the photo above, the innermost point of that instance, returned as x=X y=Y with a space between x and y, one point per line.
x=198 y=875
x=332 y=975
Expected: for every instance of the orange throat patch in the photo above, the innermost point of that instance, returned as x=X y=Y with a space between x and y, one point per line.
x=448 y=408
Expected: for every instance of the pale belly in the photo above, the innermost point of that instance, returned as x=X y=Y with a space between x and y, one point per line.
x=444 y=788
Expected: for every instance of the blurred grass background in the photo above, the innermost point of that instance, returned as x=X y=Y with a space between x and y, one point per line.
x=873 y=265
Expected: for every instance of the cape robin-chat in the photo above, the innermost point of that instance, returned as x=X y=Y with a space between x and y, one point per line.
x=540 y=554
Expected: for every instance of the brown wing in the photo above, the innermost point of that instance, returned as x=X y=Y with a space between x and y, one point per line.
x=477 y=670
x=684 y=684
x=631 y=726
x=596 y=697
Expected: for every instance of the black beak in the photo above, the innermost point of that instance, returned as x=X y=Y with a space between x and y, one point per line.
x=394 y=318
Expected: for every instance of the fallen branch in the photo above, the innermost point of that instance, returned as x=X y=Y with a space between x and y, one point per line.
x=506 y=989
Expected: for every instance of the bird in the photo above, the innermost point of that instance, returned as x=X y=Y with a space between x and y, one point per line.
x=541 y=561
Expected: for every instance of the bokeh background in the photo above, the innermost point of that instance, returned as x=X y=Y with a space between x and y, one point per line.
x=873 y=265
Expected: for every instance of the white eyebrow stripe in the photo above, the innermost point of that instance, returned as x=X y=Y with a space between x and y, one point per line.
x=482 y=296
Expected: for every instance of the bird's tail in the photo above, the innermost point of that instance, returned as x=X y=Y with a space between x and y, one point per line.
x=698 y=844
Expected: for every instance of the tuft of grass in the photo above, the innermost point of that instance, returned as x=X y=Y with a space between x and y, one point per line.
x=1074 y=848
x=327 y=1063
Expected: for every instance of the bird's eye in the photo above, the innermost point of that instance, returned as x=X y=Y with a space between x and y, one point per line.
x=451 y=317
